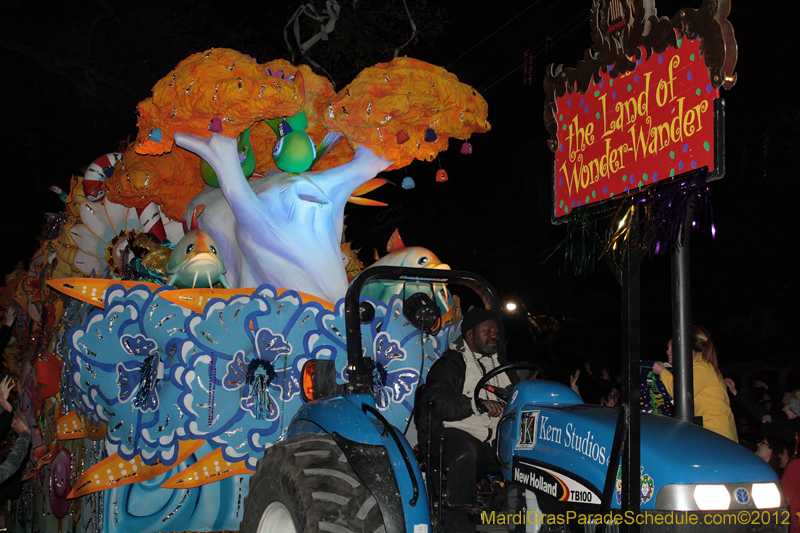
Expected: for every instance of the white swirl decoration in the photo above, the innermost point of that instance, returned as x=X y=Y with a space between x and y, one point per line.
x=102 y=235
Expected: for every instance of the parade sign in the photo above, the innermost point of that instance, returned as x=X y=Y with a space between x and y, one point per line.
x=619 y=135
x=643 y=107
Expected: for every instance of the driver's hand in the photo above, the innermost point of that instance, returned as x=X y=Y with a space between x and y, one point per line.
x=493 y=407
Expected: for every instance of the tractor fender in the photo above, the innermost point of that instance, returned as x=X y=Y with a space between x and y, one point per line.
x=378 y=453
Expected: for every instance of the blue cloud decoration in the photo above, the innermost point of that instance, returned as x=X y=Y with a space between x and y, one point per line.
x=157 y=373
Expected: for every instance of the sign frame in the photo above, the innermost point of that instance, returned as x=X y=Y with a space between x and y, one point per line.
x=627 y=33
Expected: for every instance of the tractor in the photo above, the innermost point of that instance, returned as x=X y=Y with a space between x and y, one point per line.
x=342 y=467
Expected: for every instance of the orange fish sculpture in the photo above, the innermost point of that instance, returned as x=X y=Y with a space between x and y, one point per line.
x=196 y=261
x=406 y=256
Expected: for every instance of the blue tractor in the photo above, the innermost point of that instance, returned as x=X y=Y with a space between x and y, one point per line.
x=342 y=467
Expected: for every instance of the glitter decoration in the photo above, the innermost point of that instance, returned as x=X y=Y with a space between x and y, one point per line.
x=230 y=335
x=212 y=388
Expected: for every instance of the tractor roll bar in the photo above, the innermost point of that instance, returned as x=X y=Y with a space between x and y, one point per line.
x=358 y=381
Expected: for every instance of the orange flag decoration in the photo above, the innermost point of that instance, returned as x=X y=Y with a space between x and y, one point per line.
x=115 y=471
x=212 y=467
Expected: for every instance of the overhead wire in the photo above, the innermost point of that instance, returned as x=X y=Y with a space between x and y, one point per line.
x=542 y=50
x=508 y=36
x=504 y=42
x=512 y=19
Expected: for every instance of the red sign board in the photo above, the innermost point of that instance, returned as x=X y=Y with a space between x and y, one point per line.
x=641 y=108
x=646 y=125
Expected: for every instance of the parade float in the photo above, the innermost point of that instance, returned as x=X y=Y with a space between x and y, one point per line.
x=167 y=314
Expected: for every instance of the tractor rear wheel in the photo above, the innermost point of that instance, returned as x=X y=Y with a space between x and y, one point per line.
x=306 y=484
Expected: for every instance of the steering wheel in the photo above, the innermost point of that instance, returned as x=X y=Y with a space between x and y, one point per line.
x=483 y=382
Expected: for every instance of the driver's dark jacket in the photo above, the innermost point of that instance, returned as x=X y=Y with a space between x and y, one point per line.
x=444 y=387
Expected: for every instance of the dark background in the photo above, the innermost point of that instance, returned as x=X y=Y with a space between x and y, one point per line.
x=74 y=72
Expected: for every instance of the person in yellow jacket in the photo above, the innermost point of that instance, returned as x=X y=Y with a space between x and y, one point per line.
x=710 y=395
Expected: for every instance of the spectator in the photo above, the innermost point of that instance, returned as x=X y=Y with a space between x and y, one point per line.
x=609 y=398
x=20 y=451
x=787 y=429
x=790 y=430
x=755 y=409
x=768 y=398
x=791 y=488
x=710 y=396
x=5 y=330
x=775 y=451
x=573 y=382
x=601 y=390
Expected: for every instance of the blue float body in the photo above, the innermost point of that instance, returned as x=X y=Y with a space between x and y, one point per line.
x=343 y=415
x=569 y=437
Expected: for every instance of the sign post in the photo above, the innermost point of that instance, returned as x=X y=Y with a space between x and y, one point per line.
x=642 y=109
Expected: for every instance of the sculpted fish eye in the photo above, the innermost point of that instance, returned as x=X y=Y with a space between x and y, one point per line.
x=190 y=248
x=422 y=260
x=213 y=250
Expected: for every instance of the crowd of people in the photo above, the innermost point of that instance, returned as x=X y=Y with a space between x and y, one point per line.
x=772 y=419
x=12 y=467
x=766 y=419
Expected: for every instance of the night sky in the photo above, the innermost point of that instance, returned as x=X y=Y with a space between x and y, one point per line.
x=74 y=72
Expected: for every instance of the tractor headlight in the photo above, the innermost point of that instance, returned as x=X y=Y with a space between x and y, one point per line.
x=719 y=496
x=712 y=497
x=766 y=495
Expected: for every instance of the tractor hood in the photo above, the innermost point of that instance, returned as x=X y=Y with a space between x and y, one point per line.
x=553 y=443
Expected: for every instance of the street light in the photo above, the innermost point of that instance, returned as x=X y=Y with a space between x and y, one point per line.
x=530 y=321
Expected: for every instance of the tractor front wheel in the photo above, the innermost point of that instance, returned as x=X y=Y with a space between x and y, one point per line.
x=305 y=484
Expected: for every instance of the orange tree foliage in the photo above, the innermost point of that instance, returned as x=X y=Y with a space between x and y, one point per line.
x=405 y=95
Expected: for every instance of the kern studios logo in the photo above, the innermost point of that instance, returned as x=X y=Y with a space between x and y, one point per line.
x=742 y=496
x=528 y=427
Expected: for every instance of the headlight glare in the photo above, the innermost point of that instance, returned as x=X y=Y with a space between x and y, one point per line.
x=712 y=497
x=766 y=495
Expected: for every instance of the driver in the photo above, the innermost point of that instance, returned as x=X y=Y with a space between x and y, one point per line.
x=469 y=425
